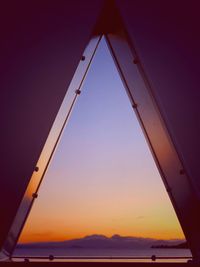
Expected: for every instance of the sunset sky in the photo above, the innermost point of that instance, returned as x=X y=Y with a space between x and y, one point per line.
x=102 y=179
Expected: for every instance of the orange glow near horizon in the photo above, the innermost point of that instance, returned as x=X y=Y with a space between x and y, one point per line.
x=102 y=179
x=31 y=236
x=160 y=223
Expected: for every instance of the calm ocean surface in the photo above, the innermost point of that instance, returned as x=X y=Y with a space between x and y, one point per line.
x=108 y=253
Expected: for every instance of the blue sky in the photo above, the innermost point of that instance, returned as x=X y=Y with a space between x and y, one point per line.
x=102 y=179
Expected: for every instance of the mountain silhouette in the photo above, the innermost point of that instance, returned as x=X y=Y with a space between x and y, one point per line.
x=103 y=242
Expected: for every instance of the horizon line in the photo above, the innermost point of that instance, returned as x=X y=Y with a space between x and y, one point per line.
x=99 y=235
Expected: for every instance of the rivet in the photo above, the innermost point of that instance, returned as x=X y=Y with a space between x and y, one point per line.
x=153 y=257
x=182 y=171
x=36 y=169
x=168 y=189
x=134 y=105
x=83 y=58
x=78 y=92
x=135 y=61
x=51 y=257
x=34 y=195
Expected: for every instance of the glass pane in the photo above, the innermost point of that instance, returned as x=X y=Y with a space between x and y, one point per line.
x=102 y=194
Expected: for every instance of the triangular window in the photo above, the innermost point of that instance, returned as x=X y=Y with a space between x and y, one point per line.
x=102 y=184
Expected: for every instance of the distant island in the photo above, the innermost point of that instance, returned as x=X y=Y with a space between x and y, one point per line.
x=183 y=245
x=104 y=242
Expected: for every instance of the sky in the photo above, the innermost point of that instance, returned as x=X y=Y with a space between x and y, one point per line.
x=102 y=178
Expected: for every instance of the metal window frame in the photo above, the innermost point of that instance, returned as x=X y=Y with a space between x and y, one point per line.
x=153 y=124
